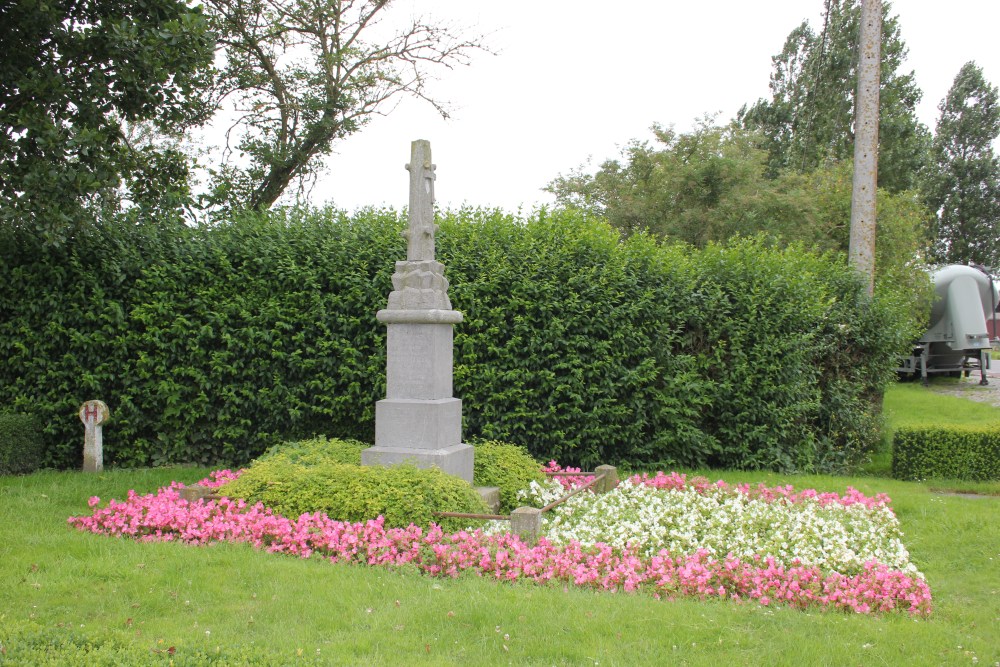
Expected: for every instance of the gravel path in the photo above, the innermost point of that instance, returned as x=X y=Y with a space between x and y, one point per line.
x=969 y=387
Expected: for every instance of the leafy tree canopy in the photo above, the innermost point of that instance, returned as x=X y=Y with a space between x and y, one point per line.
x=962 y=184
x=810 y=117
x=712 y=185
x=74 y=73
x=302 y=74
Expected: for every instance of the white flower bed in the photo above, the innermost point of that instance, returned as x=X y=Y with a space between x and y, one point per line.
x=833 y=537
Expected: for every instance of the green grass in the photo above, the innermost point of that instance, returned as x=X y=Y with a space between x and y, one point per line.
x=73 y=598
x=912 y=404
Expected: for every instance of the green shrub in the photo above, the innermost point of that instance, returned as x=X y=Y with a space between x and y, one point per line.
x=508 y=467
x=20 y=444
x=953 y=452
x=212 y=344
x=591 y=350
x=316 y=451
x=402 y=494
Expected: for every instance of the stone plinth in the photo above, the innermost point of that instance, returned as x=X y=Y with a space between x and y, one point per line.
x=431 y=423
x=455 y=460
x=419 y=421
x=421 y=359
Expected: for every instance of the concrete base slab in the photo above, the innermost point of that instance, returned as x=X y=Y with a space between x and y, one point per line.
x=454 y=460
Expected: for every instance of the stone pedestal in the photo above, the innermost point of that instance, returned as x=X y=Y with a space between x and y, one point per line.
x=419 y=421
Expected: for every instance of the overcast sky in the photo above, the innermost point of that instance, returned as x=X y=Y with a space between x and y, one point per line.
x=577 y=79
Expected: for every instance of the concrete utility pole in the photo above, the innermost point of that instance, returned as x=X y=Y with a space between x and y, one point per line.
x=861 y=252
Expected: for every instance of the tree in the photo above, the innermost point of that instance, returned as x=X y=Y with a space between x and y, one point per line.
x=304 y=73
x=711 y=185
x=963 y=183
x=72 y=74
x=809 y=119
x=692 y=187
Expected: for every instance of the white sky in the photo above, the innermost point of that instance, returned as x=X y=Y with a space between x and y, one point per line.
x=577 y=79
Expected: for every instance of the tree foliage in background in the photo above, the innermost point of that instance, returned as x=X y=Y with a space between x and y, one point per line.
x=809 y=119
x=211 y=344
x=962 y=184
x=711 y=185
x=95 y=97
x=694 y=187
x=73 y=73
x=304 y=73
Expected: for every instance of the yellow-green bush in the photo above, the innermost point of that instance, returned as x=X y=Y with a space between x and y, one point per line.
x=402 y=494
x=953 y=452
x=508 y=467
x=317 y=450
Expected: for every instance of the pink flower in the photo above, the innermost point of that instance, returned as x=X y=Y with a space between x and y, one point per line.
x=93 y=501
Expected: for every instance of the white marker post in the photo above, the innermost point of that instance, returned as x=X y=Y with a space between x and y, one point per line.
x=93 y=414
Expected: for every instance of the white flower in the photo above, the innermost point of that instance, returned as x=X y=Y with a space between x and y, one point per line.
x=833 y=537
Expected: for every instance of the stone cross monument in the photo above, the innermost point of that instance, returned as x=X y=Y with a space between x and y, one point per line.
x=419 y=421
x=93 y=414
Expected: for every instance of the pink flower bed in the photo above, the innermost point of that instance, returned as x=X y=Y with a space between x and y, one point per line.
x=568 y=482
x=166 y=516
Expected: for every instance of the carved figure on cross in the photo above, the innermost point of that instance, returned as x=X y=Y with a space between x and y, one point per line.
x=420 y=234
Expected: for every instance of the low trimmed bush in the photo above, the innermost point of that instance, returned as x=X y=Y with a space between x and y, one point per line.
x=317 y=450
x=21 y=445
x=402 y=494
x=508 y=467
x=954 y=452
x=500 y=464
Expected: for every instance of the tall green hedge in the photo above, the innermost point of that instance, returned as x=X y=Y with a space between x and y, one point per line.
x=210 y=344
x=21 y=444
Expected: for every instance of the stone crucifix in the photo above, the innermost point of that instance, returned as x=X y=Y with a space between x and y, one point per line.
x=420 y=235
x=419 y=282
x=419 y=421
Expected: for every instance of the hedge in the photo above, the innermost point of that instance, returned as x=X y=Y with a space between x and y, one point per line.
x=953 y=452
x=21 y=444
x=211 y=344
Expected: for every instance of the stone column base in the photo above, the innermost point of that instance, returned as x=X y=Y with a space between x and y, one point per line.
x=454 y=460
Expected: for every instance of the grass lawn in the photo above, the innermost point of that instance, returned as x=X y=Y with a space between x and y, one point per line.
x=76 y=598
x=912 y=404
